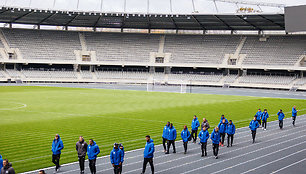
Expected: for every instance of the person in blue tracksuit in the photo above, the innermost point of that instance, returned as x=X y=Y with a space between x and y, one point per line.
x=171 y=138
x=258 y=116
x=253 y=126
x=281 y=117
x=116 y=158
x=1 y=162
x=203 y=136
x=57 y=146
x=222 y=130
x=215 y=137
x=148 y=155
x=165 y=135
x=230 y=130
x=222 y=118
x=194 y=128
x=264 y=118
x=294 y=114
x=122 y=149
x=93 y=151
x=185 y=134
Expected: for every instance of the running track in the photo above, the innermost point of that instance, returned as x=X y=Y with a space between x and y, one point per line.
x=275 y=151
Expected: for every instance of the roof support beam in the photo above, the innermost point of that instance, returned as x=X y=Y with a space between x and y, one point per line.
x=272 y=21
x=173 y=22
x=75 y=16
x=200 y=24
x=248 y=22
x=96 y=23
x=229 y=27
x=43 y=20
x=19 y=17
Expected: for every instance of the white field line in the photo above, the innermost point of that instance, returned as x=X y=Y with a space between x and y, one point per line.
x=276 y=171
x=23 y=105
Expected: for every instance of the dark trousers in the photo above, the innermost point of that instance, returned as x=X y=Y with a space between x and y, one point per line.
x=293 y=120
x=281 y=123
x=259 y=122
x=92 y=166
x=120 y=169
x=215 y=149
x=230 y=139
x=56 y=160
x=253 y=135
x=145 y=162
x=164 y=143
x=203 y=148
x=82 y=162
x=194 y=134
x=117 y=169
x=185 y=146
x=264 y=123
x=169 y=144
x=222 y=138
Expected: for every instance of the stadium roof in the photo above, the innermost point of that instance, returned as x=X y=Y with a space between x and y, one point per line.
x=143 y=21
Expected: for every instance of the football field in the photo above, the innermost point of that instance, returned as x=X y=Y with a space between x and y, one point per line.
x=31 y=116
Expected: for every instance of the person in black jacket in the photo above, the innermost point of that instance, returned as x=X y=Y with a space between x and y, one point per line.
x=81 y=148
x=7 y=167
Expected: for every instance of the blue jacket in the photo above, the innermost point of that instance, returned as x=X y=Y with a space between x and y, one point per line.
x=92 y=151
x=258 y=115
x=230 y=129
x=254 y=125
x=294 y=112
x=203 y=135
x=122 y=151
x=215 y=137
x=226 y=121
x=166 y=131
x=1 y=162
x=222 y=128
x=149 y=149
x=195 y=124
x=185 y=134
x=172 y=133
x=57 y=146
x=265 y=116
x=281 y=115
x=116 y=156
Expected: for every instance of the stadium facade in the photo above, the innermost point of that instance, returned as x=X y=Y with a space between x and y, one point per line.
x=230 y=59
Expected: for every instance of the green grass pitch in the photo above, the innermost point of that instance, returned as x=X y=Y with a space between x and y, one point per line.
x=31 y=116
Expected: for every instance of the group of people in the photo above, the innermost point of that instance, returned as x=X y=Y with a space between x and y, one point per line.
x=217 y=136
x=169 y=136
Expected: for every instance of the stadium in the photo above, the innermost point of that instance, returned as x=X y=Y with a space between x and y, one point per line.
x=115 y=71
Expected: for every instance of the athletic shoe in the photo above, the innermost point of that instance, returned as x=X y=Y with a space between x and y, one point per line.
x=262 y=127
x=202 y=155
x=216 y=157
x=167 y=153
x=174 y=151
x=205 y=154
x=222 y=145
x=227 y=146
x=265 y=129
x=185 y=152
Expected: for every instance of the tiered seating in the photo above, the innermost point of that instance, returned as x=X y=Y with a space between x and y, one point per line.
x=257 y=79
x=277 y=50
x=13 y=73
x=200 y=49
x=34 y=74
x=194 y=77
x=2 y=74
x=45 y=45
x=122 y=75
x=122 y=47
x=301 y=82
x=230 y=78
x=86 y=74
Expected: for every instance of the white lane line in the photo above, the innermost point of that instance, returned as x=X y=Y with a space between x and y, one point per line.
x=260 y=157
x=169 y=161
x=23 y=105
x=276 y=171
x=247 y=130
x=274 y=161
x=250 y=153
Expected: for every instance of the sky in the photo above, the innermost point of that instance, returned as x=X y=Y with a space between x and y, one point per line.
x=155 y=6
